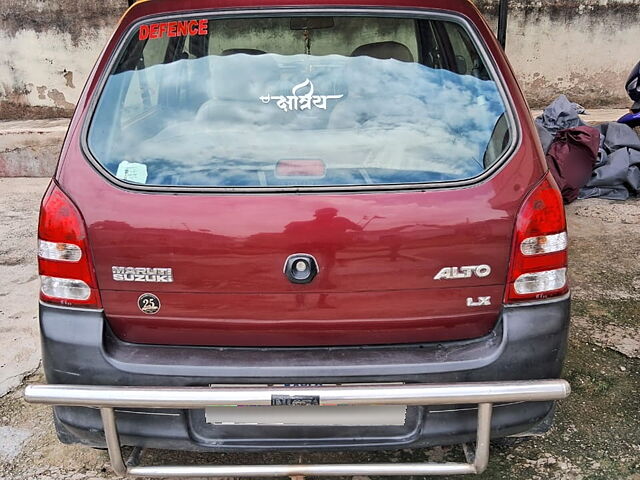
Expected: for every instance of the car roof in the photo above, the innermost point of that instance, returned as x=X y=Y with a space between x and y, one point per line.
x=144 y=8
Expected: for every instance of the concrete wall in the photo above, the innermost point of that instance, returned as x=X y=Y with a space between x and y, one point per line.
x=583 y=48
x=47 y=49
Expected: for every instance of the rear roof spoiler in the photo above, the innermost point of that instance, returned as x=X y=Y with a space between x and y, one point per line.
x=503 y=14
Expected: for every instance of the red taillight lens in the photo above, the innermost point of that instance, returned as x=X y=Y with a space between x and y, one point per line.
x=538 y=266
x=66 y=271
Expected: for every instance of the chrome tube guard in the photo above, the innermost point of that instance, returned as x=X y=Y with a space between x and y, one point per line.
x=106 y=398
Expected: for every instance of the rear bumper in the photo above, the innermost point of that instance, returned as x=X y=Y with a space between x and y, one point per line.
x=528 y=343
x=484 y=395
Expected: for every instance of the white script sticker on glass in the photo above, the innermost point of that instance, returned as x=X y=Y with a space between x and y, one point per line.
x=132 y=172
x=297 y=101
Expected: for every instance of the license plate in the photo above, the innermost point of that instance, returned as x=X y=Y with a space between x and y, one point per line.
x=305 y=412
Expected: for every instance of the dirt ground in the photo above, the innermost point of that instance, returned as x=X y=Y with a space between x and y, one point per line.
x=597 y=430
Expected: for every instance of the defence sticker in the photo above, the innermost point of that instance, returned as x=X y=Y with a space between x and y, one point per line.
x=132 y=172
x=148 y=303
x=174 y=29
x=300 y=102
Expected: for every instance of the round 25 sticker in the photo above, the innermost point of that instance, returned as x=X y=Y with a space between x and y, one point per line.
x=148 y=303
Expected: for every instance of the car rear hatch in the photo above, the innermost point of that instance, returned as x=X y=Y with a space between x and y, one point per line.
x=372 y=144
x=378 y=257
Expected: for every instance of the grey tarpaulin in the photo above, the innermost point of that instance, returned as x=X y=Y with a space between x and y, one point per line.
x=616 y=174
x=546 y=137
x=560 y=115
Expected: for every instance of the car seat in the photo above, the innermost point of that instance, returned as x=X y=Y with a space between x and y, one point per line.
x=384 y=51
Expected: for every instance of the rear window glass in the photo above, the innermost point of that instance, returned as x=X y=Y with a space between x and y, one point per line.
x=298 y=102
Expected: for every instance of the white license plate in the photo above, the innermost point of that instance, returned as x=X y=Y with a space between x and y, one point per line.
x=341 y=415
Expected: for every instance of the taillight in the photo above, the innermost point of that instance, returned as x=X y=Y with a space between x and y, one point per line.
x=538 y=266
x=66 y=270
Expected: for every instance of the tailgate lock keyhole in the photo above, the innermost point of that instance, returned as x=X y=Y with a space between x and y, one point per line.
x=300 y=268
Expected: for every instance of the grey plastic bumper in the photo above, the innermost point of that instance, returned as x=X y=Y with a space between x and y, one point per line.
x=528 y=343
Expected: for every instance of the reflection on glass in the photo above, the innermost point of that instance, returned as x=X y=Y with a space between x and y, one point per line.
x=229 y=120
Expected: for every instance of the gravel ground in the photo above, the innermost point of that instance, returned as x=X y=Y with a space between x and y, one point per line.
x=19 y=344
x=597 y=430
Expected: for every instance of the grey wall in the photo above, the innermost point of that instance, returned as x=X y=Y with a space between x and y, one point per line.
x=47 y=49
x=582 y=48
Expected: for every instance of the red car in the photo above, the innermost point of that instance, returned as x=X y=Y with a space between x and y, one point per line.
x=334 y=217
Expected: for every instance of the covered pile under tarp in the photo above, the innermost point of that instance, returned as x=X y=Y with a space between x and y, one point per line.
x=616 y=175
x=571 y=158
x=560 y=115
x=602 y=161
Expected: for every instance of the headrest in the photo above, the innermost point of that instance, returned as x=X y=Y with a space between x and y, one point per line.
x=384 y=51
x=246 y=51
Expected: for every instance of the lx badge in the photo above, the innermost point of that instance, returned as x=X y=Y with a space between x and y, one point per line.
x=480 y=302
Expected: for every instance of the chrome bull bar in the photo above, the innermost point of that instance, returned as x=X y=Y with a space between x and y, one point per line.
x=106 y=398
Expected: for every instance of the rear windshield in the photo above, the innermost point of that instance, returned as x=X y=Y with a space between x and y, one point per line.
x=298 y=102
